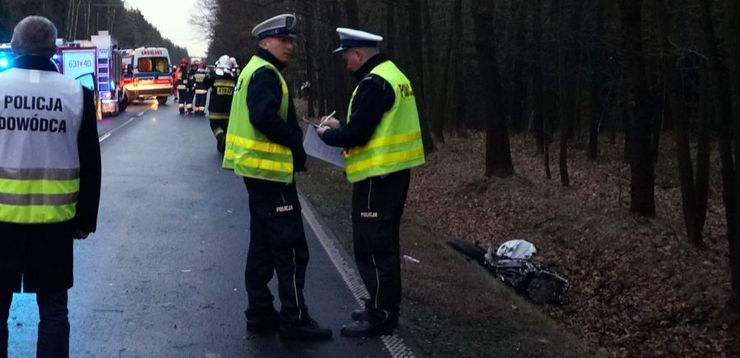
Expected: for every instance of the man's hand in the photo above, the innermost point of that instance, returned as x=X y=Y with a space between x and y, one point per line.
x=330 y=122
x=320 y=130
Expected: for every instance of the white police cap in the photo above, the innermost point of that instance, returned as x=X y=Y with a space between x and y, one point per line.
x=281 y=25
x=355 y=38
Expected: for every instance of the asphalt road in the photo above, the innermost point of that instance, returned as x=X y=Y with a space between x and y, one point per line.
x=163 y=275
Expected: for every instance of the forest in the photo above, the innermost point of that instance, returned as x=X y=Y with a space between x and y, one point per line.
x=78 y=19
x=626 y=108
x=649 y=87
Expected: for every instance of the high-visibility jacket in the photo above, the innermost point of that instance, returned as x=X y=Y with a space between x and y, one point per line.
x=249 y=152
x=396 y=143
x=40 y=118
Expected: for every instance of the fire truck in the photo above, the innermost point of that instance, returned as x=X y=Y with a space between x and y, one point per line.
x=147 y=73
x=96 y=64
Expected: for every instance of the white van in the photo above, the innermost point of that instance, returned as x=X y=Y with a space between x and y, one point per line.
x=148 y=74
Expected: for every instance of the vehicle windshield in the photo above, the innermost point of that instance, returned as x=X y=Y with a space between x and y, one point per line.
x=153 y=64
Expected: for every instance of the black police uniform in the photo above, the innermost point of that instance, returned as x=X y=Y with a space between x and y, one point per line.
x=277 y=241
x=376 y=239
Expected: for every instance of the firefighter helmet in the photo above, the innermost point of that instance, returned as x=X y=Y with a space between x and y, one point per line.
x=223 y=62
x=183 y=61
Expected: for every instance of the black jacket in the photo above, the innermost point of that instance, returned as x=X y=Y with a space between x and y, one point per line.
x=374 y=97
x=42 y=253
x=263 y=100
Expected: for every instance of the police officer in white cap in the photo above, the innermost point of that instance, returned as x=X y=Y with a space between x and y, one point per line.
x=50 y=182
x=264 y=145
x=382 y=141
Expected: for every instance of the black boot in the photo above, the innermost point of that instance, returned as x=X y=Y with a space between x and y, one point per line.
x=220 y=142
x=261 y=321
x=369 y=328
x=305 y=329
x=359 y=315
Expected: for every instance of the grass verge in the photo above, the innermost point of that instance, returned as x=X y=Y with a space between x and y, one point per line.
x=452 y=307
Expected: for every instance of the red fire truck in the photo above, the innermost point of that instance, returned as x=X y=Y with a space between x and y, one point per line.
x=96 y=64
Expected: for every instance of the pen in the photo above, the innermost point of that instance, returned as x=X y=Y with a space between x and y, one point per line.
x=331 y=114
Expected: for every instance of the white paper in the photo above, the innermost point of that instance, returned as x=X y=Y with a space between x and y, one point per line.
x=316 y=148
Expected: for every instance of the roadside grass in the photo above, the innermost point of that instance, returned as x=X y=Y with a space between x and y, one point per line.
x=451 y=306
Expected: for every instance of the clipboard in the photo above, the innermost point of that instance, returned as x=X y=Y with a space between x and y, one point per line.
x=315 y=147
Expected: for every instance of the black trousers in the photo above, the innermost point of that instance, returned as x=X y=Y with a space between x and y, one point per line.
x=184 y=101
x=200 y=99
x=377 y=207
x=53 y=332
x=277 y=245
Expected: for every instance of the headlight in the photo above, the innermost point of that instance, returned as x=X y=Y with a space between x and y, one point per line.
x=4 y=62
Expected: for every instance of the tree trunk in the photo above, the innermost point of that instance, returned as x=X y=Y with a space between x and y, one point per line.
x=537 y=82
x=733 y=34
x=498 y=152
x=677 y=114
x=598 y=80
x=640 y=155
x=457 y=72
x=518 y=90
x=416 y=34
x=720 y=90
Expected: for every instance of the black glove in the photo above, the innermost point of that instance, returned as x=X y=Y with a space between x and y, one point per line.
x=299 y=159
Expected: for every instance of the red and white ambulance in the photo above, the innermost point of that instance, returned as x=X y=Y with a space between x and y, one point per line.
x=149 y=74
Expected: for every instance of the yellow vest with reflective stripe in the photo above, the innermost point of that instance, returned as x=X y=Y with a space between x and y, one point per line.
x=396 y=143
x=39 y=159
x=248 y=152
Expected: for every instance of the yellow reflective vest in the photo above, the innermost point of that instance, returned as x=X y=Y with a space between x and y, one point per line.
x=396 y=143
x=248 y=152
x=40 y=119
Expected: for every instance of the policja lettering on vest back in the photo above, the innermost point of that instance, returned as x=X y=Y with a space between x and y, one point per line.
x=34 y=123
x=35 y=103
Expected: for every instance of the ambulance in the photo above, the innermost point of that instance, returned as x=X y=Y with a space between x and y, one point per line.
x=147 y=73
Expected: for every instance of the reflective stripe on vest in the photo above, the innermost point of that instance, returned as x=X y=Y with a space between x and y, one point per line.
x=40 y=117
x=396 y=143
x=248 y=152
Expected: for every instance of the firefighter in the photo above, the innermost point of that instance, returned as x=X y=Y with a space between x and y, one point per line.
x=382 y=137
x=199 y=101
x=221 y=84
x=184 y=102
x=191 y=83
x=265 y=146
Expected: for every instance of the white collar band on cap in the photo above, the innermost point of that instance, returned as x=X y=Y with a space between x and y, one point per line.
x=349 y=38
x=281 y=25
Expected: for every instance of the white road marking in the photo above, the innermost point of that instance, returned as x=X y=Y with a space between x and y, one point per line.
x=107 y=134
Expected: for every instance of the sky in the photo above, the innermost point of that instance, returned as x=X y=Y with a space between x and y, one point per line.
x=172 y=19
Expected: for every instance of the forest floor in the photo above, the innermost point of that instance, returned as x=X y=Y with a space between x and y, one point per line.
x=637 y=287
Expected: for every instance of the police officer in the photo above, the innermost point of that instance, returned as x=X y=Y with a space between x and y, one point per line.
x=382 y=138
x=199 y=103
x=49 y=181
x=264 y=145
x=184 y=102
x=221 y=83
